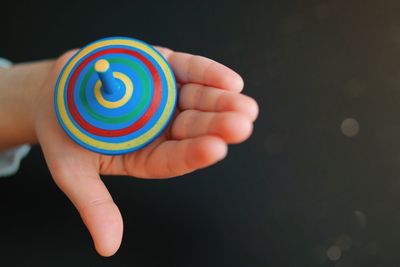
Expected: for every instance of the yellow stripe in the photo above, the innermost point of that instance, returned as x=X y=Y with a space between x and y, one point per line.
x=131 y=143
x=115 y=104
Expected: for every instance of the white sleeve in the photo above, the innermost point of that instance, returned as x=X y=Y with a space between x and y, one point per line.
x=11 y=158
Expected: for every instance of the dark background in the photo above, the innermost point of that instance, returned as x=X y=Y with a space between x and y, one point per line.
x=300 y=192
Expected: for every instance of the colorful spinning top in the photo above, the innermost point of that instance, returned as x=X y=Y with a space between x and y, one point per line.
x=115 y=95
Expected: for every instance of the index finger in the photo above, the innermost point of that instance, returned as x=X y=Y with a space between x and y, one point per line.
x=197 y=69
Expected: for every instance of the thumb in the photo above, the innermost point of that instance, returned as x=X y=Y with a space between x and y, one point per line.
x=78 y=178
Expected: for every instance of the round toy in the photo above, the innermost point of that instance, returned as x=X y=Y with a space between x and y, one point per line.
x=115 y=95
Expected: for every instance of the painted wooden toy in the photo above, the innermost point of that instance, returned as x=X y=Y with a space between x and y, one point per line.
x=115 y=95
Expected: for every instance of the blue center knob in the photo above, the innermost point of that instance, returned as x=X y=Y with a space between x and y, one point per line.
x=110 y=85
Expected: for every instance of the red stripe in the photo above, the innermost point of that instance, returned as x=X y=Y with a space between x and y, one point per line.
x=137 y=124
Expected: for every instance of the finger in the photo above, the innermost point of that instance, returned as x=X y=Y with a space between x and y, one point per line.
x=232 y=127
x=197 y=69
x=174 y=158
x=94 y=204
x=75 y=172
x=166 y=52
x=203 y=98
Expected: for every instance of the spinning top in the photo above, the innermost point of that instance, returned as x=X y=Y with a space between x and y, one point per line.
x=115 y=95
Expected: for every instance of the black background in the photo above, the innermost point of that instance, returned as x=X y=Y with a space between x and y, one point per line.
x=292 y=195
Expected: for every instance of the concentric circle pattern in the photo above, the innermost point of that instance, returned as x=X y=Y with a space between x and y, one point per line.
x=131 y=117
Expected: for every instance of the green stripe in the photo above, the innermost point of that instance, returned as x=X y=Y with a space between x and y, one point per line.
x=129 y=116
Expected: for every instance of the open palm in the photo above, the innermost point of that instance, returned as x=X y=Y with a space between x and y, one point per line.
x=210 y=114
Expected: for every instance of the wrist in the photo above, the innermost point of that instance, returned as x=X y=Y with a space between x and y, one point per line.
x=20 y=87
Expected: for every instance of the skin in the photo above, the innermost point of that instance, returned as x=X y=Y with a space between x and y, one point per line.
x=211 y=113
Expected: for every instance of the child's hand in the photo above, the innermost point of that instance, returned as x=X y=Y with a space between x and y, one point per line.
x=211 y=113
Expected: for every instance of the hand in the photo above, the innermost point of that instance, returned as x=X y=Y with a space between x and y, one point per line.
x=210 y=114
